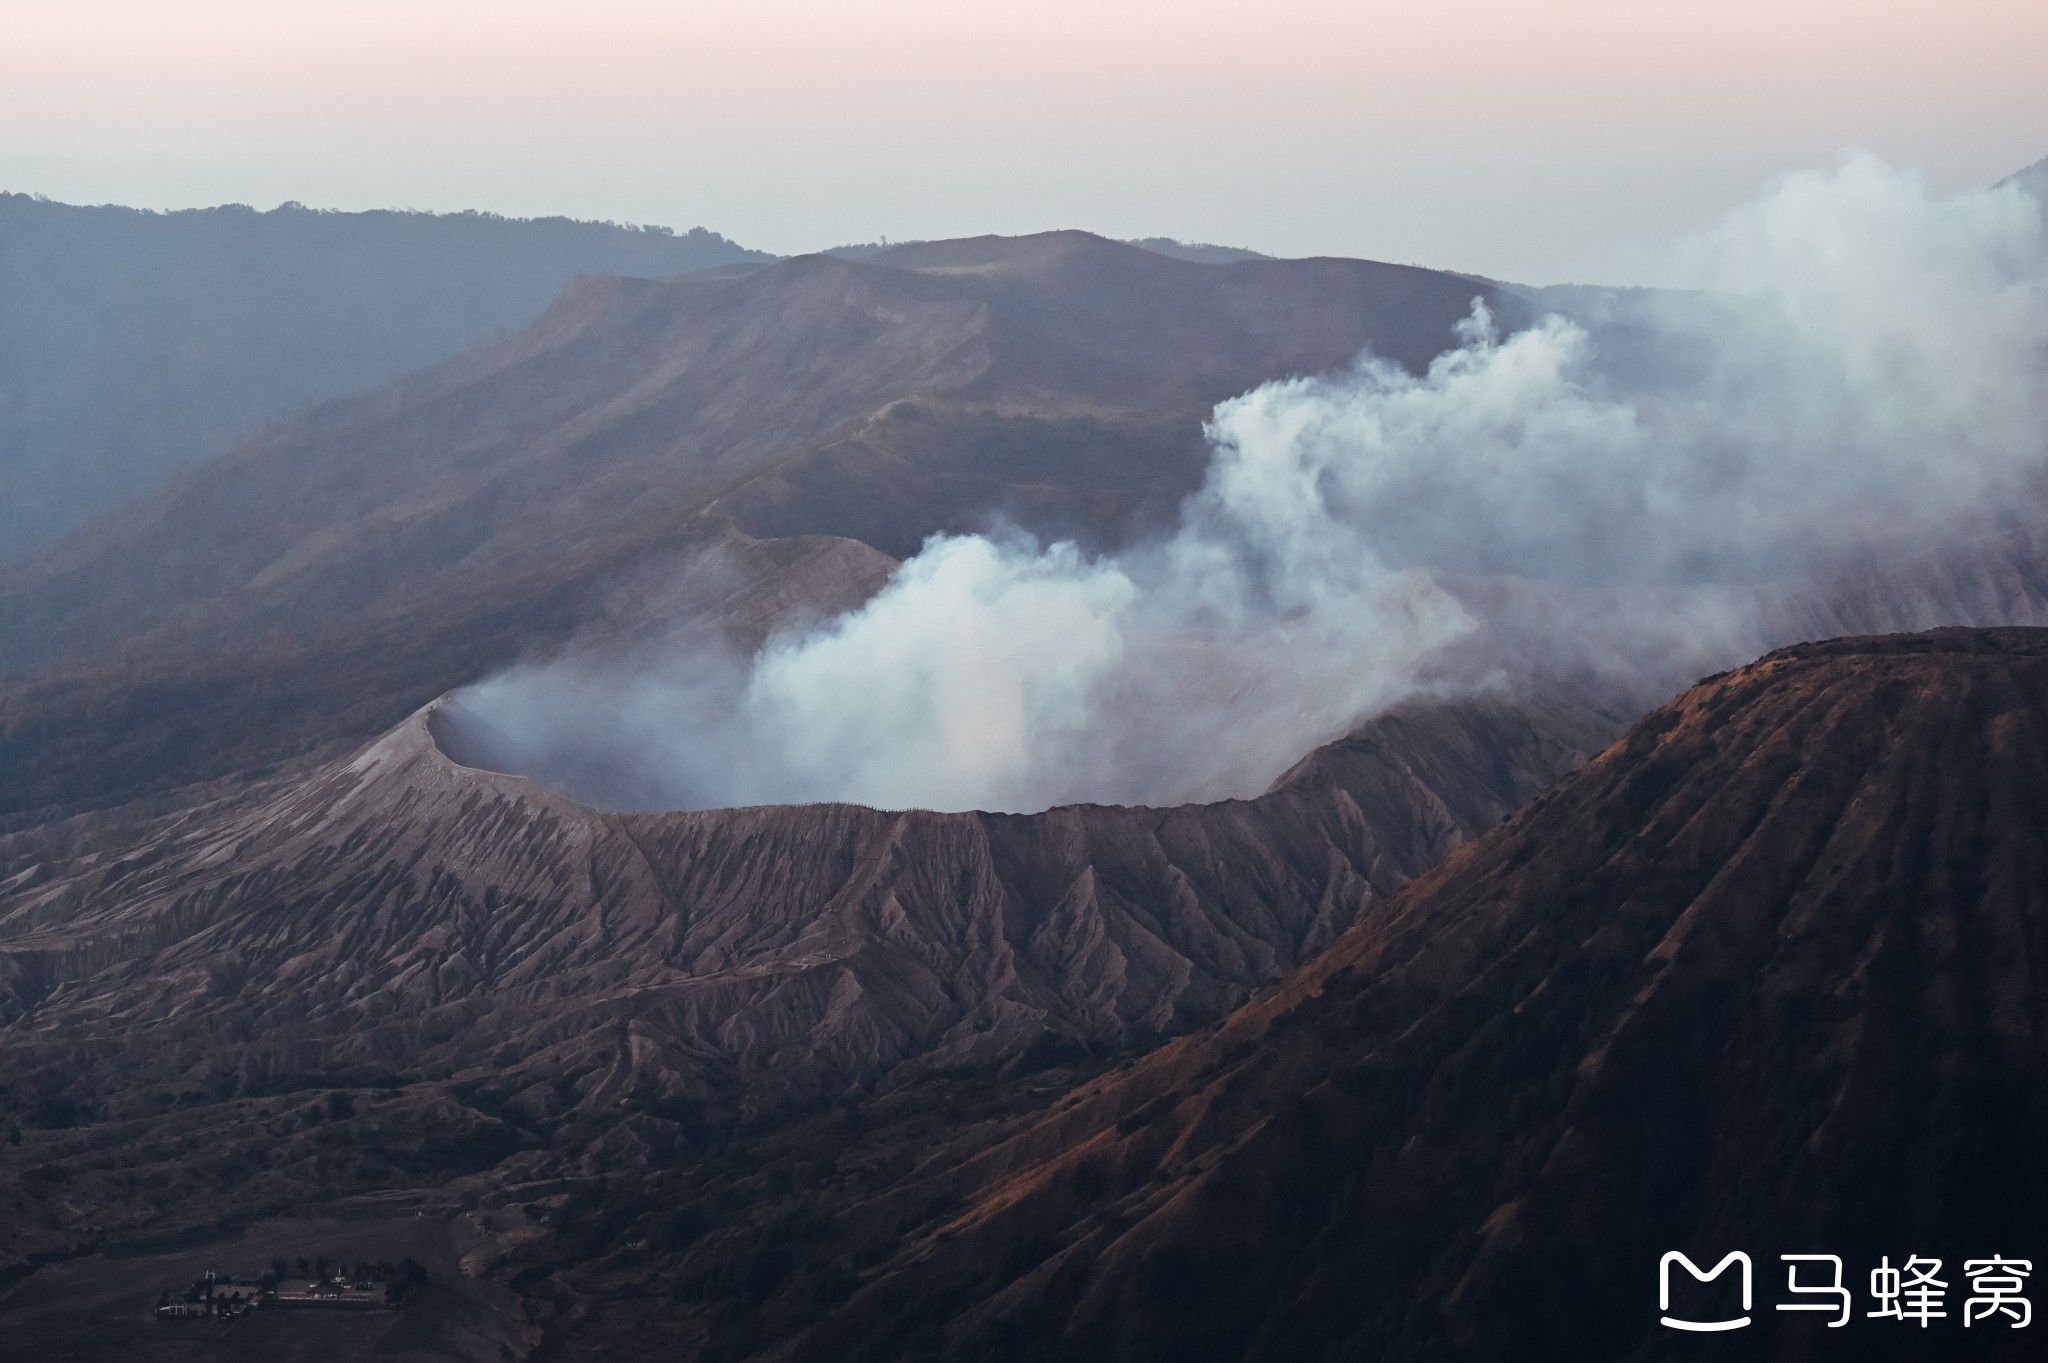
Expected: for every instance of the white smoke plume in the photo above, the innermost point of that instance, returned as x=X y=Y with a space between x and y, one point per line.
x=1862 y=373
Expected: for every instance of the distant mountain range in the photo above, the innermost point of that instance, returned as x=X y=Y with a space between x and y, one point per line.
x=373 y=552
x=1201 y=253
x=134 y=342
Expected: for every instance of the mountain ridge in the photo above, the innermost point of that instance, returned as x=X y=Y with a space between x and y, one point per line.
x=414 y=539
x=592 y=987
x=1764 y=975
x=136 y=342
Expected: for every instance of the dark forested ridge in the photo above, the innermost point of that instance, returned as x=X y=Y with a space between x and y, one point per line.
x=132 y=342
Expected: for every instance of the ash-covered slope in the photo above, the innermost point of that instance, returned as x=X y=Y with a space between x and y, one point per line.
x=378 y=551
x=517 y=973
x=1766 y=975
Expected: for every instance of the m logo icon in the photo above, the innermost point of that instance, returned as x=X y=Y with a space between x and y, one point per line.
x=1664 y=1289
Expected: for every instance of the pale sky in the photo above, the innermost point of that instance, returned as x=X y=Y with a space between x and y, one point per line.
x=1536 y=140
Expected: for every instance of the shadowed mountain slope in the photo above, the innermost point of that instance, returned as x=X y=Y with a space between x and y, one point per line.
x=409 y=540
x=1766 y=975
x=134 y=342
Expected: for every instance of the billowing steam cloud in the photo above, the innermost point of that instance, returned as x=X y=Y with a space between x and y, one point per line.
x=995 y=673
x=1861 y=374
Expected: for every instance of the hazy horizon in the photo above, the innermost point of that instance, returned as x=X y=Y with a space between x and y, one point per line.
x=1479 y=136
